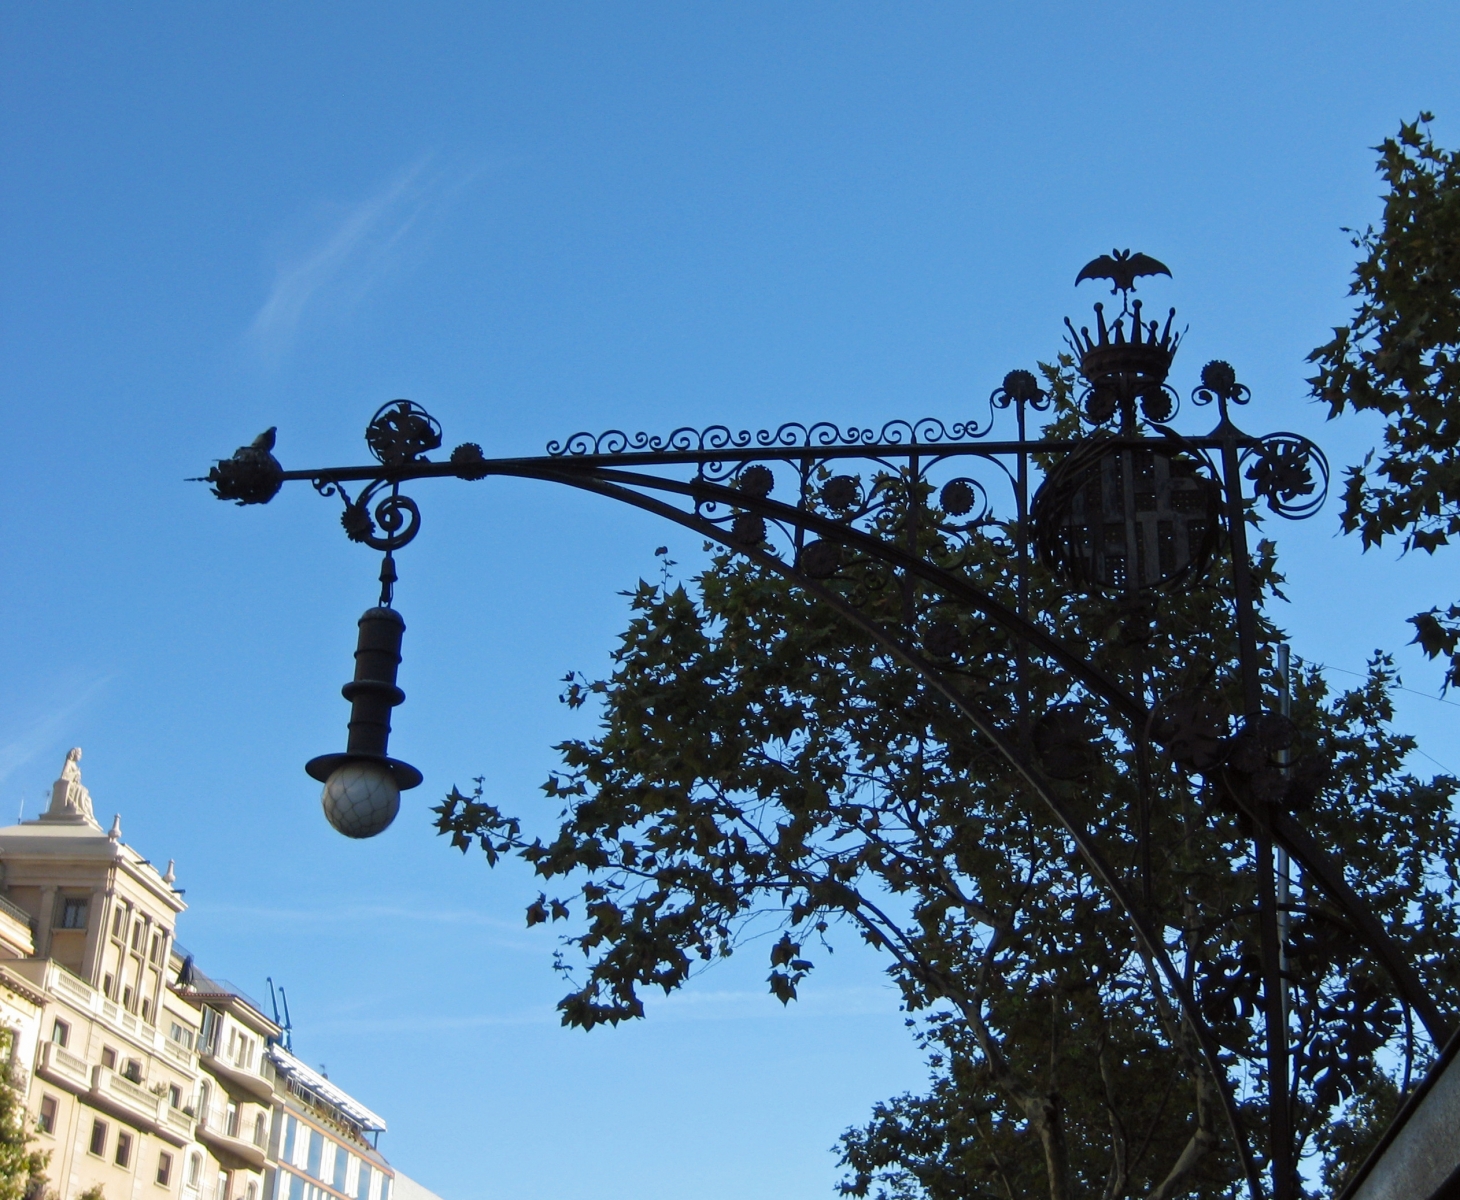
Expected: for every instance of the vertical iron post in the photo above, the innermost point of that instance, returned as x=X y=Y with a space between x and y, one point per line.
x=1284 y=868
x=1021 y=597
x=1280 y=1122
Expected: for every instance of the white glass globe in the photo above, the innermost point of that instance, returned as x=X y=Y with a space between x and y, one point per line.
x=361 y=798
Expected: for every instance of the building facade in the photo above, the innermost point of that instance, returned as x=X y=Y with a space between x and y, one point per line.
x=142 y=1074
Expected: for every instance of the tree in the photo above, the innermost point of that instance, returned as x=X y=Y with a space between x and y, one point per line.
x=951 y=1143
x=763 y=767
x=22 y=1164
x=1400 y=356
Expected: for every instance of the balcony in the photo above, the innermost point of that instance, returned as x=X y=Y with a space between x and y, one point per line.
x=15 y=931
x=60 y=1066
x=103 y=1088
x=134 y=1104
x=51 y=976
x=231 y=1150
x=180 y=1122
x=235 y=1079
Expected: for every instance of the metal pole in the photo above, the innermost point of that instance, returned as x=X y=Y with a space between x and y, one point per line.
x=1284 y=869
x=1280 y=1122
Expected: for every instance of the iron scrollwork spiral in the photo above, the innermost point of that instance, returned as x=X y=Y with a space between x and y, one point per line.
x=1290 y=473
x=393 y=522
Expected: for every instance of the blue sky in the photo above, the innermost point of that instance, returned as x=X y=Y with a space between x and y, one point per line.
x=540 y=218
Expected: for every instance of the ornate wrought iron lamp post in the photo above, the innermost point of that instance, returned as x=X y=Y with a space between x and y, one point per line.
x=1131 y=507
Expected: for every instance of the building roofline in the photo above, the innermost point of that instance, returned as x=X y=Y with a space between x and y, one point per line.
x=292 y=1068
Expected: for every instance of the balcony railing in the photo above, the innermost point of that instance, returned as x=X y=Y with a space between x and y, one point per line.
x=58 y=979
x=14 y=910
x=61 y=1065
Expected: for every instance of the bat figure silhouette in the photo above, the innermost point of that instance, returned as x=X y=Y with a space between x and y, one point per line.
x=1122 y=268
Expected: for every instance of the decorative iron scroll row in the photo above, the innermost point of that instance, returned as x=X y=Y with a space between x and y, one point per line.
x=928 y=431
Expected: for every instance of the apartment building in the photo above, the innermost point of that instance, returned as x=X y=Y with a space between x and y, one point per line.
x=143 y=1074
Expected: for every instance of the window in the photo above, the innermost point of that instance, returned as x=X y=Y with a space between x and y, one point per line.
x=225 y=1178
x=253 y=1191
x=127 y=998
x=258 y=1130
x=124 y=1149
x=133 y=1070
x=156 y=947
x=46 y=1122
x=195 y=1169
x=230 y=1119
x=109 y=987
x=181 y=1035
x=137 y=930
x=60 y=1031
x=291 y=1128
x=147 y=1010
x=204 y=1095
x=208 y=1035
x=164 y=1168
x=362 y=1190
x=296 y=1187
x=174 y=1095
x=98 y=1137
x=316 y=1151
x=385 y=1187
x=109 y=1058
x=117 y=920
x=73 y=913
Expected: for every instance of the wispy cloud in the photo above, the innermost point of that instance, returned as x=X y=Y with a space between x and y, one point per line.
x=45 y=731
x=363 y=245
x=334 y=916
x=691 y=1006
x=499 y=933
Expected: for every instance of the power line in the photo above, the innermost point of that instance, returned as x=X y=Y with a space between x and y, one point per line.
x=1398 y=687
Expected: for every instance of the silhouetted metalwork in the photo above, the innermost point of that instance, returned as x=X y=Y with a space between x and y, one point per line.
x=1128 y=506
x=1122 y=268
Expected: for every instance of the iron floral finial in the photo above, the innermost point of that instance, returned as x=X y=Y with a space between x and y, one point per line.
x=1022 y=388
x=1219 y=384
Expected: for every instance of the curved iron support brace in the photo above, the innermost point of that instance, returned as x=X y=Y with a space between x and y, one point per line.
x=1099 y=867
x=1329 y=876
x=1038 y=639
x=1302 y=846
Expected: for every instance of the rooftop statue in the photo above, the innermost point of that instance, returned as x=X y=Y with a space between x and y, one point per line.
x=69 y=799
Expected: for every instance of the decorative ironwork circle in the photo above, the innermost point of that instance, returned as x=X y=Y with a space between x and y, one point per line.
x=1128 y=516
x=401 y=432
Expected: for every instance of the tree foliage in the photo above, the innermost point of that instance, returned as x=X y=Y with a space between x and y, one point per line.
x=765 y=766
x=1399 y=356
x=22 y=1164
